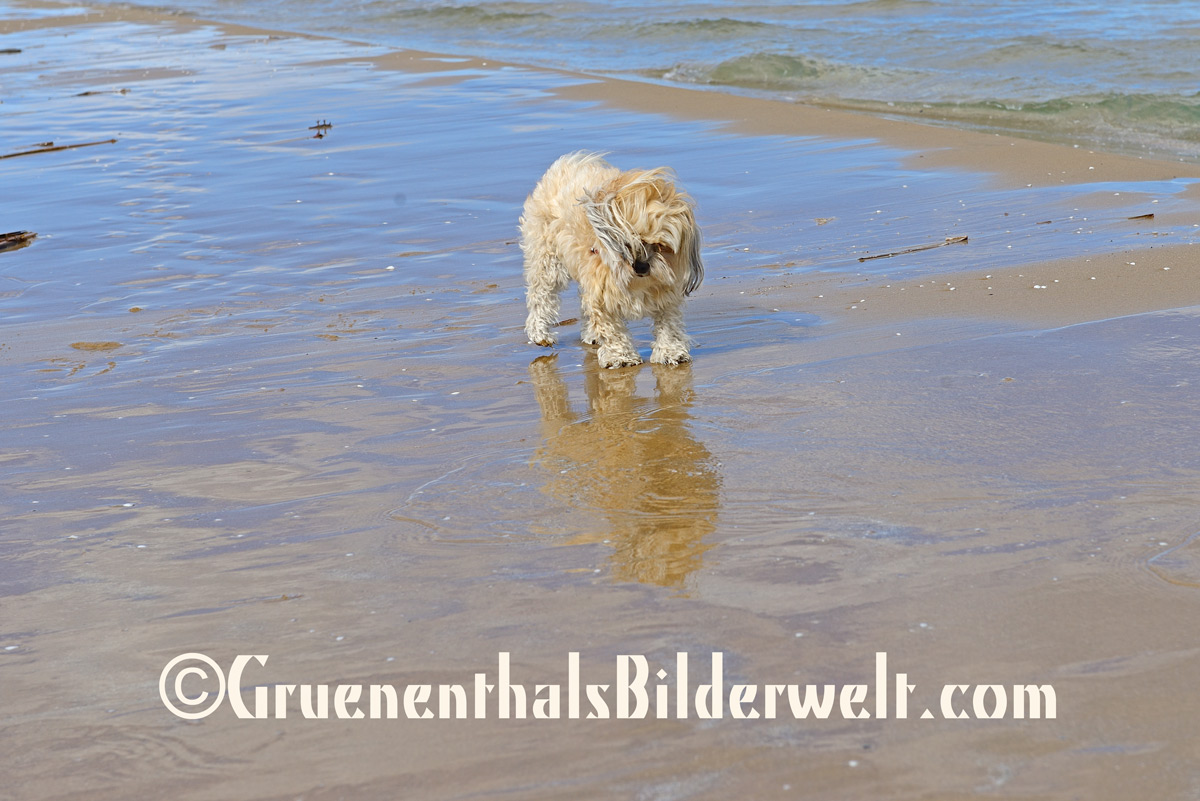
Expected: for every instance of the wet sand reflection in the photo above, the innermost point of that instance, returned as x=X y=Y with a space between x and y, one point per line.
x=633 y=464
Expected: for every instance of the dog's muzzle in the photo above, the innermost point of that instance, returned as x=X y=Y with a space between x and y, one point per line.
x=641 y=267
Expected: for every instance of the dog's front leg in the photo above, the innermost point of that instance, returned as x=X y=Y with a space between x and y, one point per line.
x=586 y=333
x=670 y=340
x=616 y=346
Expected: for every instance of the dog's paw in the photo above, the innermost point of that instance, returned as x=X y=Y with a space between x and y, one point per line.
x=672 y=361
x=613 y=359
x=670 y=356
x=613 y=365
x=543 y=338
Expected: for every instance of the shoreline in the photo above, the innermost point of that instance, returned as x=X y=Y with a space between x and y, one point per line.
x=1009 y=162
x=1014 y=161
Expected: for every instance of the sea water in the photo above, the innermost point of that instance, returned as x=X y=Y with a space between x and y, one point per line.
x=1121 y=76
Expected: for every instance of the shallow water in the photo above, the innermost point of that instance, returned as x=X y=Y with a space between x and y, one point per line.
x=398 y=173
x=366 y=474
x=1113 y=75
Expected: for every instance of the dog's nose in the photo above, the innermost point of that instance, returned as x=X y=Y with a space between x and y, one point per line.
x=641 y=267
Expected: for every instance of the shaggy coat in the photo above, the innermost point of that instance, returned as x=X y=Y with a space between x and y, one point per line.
x=630 y=241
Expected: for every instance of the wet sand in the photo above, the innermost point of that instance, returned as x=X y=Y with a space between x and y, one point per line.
x=266 y=393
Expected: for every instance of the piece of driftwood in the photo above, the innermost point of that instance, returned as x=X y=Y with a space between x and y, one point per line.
x=950 y=240
x=16 y=240
x=54 y=148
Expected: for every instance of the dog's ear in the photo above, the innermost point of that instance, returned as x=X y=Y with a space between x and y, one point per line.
x=690 y=253
x=614 y=239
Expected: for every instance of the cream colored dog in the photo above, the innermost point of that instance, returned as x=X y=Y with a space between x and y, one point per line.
x=630 y=240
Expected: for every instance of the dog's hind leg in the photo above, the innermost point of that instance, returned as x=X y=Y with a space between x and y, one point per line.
x=670 y=340
x=545 y=278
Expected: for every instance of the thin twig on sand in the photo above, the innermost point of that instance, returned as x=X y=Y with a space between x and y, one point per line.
x=950 y=240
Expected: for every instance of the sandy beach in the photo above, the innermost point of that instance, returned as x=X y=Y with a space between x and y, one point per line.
x=266 y=392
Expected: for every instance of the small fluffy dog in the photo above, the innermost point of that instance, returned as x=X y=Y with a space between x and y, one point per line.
x=630 y=240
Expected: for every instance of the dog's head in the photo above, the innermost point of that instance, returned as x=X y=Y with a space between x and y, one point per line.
x=646 y=229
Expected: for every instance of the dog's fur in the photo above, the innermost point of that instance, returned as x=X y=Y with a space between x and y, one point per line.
x=630 y=240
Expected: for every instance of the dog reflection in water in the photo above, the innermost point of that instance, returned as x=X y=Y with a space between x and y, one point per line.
x=631 y=468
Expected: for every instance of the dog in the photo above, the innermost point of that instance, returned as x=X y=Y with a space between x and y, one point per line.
x=631 y=242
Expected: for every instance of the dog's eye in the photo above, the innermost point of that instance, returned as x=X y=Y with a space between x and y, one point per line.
x=658 y=247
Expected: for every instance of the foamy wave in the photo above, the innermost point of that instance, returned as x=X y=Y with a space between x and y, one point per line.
x=791 y=74
x=467 y=17
x=777 y=72
x=1156 y=124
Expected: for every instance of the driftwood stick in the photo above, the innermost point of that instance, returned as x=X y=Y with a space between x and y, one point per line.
x=950 y=240
x=55 y=148
x=15 y=240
